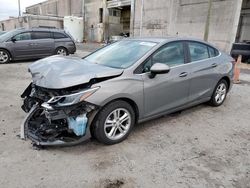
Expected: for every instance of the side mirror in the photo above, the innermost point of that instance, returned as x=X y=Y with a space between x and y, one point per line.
x=13 y=39
x=159 y=68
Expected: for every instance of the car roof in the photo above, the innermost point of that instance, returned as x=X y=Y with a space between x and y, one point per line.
x=168 y=39
x=151 y=39
x=47 y=29
x=41 y=29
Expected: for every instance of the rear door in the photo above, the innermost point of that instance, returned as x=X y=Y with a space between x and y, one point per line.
x=43 y=43
x=61 y=39
x=205 y=70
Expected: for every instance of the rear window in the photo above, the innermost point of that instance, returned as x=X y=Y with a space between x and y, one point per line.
x=198 y=51
x=41 y=35
x=213 y=52
x=59 y=35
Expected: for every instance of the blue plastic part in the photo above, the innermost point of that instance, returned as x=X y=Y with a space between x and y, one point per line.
x=78 y=124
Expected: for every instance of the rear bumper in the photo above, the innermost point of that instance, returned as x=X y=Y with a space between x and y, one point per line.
x=72 y=49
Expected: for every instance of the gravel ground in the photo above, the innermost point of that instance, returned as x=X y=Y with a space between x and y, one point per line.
x=200 y=147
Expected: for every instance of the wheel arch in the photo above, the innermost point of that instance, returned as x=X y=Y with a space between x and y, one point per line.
x=128 y=100
x=133 y=105
x=227 y=79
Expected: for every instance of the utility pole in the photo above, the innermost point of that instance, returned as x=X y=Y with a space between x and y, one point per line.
x=105 y=21
x=84 y=20
x=19 y=8
x=206 y=33
x=132 y=18
x=142 y=14
x=20 y=19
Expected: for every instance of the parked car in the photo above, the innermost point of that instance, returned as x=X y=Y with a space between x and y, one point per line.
x=2 y=32
x=34 y=43
x=116 y=38
x=241 y=49
x=128 y=82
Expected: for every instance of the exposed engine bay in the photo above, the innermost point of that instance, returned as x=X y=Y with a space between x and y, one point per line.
x=57 y=117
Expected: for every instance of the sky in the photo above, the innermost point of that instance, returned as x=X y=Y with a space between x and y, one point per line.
x=10 y=7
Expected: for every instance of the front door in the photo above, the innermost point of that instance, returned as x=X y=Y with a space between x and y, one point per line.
x=166 y=91
x=22 y=45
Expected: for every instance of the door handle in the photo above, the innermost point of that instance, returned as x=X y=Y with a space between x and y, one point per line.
x=184 y=74
x=214 y=65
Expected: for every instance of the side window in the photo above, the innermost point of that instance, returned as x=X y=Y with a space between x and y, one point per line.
x=171 y=54
x=59 y=35
x=212 y=52
x=23 y=36
x=198 y=51
x=41 y=35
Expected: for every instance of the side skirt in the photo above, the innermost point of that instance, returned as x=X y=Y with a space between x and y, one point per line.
x=174 y=110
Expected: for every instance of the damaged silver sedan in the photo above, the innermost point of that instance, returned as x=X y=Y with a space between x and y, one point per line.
x=106 y=93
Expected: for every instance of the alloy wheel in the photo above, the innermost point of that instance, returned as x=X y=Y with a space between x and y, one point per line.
x=4 y=57
x=220 y=93
x=117 y=124
x=61 y=51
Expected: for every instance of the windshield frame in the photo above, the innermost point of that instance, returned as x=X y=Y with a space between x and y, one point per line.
x=132 y=40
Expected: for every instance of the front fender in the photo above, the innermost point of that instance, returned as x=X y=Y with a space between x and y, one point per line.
x=129 y=88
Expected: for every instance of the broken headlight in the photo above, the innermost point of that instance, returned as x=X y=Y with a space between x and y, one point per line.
x=68 y=100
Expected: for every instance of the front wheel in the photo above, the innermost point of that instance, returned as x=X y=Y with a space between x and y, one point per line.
x=4 y=56
x=219 y=94
x=114 y=122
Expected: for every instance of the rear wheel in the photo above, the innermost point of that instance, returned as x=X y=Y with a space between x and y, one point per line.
x=4 y=56
x=114 y=123
x=220 y=94
x=62 y=51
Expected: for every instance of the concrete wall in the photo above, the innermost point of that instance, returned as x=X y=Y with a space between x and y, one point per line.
x=11 y=23
x=155 y=18
x=92 y=28
x=158 y=18
x=45 y=21
x=57 y=8
x=30 y=21
x=224 y=23
x=188 y=18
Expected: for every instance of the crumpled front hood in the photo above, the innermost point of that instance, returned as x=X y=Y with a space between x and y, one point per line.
x=58 y=72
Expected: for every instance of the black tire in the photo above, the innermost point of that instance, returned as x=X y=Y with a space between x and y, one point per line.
x=99 y=129
x=61 y=50
x=213 y=101
x=4 y=56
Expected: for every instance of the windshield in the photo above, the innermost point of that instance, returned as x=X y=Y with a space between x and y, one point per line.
x=6 y=36
x=121 y=54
